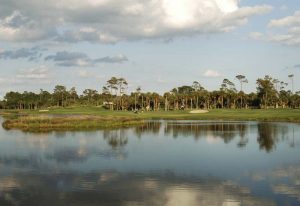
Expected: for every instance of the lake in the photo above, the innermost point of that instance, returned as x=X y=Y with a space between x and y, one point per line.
x=161 y=163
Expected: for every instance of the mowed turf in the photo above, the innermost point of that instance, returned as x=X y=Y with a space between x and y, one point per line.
x=290 y=115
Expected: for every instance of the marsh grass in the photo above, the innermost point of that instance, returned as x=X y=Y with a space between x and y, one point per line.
x=78 y=122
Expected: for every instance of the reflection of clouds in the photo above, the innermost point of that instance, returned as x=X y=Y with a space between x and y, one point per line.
x=81 y=154
x=8 y=184
x=151 y=184
x=71 y=154
x=287 y=190
x=258 y=177
x=40 y=141
x=283 y=181
x=292 y=189
x=30 y=161
x=291 y=172
x=231 y=203
x=212 y=139
x=107 y=176
x=113 y=188
x=220 y=194
x=181 y=196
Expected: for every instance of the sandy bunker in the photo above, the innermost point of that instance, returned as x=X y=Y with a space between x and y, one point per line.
x=202 y=111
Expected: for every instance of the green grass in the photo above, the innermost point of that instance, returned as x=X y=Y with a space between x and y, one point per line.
x=105 y=118
x=42 y=123
x=289 y=115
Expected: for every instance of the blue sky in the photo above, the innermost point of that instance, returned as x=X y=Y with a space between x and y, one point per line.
x=157 y=44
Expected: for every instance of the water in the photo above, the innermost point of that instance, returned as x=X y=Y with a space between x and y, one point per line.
x=165 y=163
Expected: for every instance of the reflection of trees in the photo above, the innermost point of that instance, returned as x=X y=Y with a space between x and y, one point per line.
x=268 y=135
x=116 y=138
x=242 y=128
x=226 y=131
x=243 y=142
x=152 y=127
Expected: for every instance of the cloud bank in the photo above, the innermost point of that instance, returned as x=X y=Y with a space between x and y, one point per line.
x=30 y=54
x=35 y=73
x=285 y=31
x=112 y=21
x=79 y=59
x=291 y=25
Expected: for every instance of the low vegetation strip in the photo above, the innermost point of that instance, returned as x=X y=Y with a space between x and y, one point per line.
x=89 y=118
x=39 y=123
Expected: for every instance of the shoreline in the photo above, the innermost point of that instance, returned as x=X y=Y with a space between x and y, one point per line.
x=79 y=119
x=42 y=123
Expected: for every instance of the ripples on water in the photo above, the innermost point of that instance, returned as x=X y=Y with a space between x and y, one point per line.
x=160 y=163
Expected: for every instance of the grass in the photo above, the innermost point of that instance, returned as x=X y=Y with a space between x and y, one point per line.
x=42 y=123
x=95 y=117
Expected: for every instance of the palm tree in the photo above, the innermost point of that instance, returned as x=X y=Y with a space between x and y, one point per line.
x=112 y=84
x=73 y=94
x=122 y=83
x=242 y=79
x=197 y=88
x=137 y=93
x=291 y=76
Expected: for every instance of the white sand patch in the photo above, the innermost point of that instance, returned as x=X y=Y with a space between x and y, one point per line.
x=44 y=110
x=199 y=111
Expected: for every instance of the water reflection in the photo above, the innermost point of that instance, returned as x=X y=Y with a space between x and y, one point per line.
x=113 y=188
x=269 y=134
x=159 y=163
x=284 y=181
x=226 y=131
x=151 y=127
x=116 y=138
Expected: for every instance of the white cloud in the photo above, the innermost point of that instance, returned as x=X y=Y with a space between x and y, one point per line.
x=212 y=73
x=291 y=27
x=256 y=35
x=84 y=74
x=36 y=73
x=286 y=21
x=17 y=27
x=112 y=21
x=285 y=31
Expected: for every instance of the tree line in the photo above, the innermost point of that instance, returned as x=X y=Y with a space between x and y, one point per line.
x=270 y=93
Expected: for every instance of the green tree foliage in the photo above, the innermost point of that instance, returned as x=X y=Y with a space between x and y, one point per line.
x=266 y=92
x=271 y=93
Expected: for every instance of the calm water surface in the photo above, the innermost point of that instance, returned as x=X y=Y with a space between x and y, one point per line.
x=163 y=163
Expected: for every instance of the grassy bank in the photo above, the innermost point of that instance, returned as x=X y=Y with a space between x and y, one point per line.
x=291 y=115
x=222 y=114
x=41 y=123
x=95 y=117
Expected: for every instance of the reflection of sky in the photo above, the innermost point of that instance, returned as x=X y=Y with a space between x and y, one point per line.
x=196 y=151
x=113 y=188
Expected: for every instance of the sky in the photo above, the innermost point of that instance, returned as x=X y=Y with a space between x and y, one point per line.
x=155 y=44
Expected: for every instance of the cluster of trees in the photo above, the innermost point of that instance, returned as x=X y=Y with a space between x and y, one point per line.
x=271 y=93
